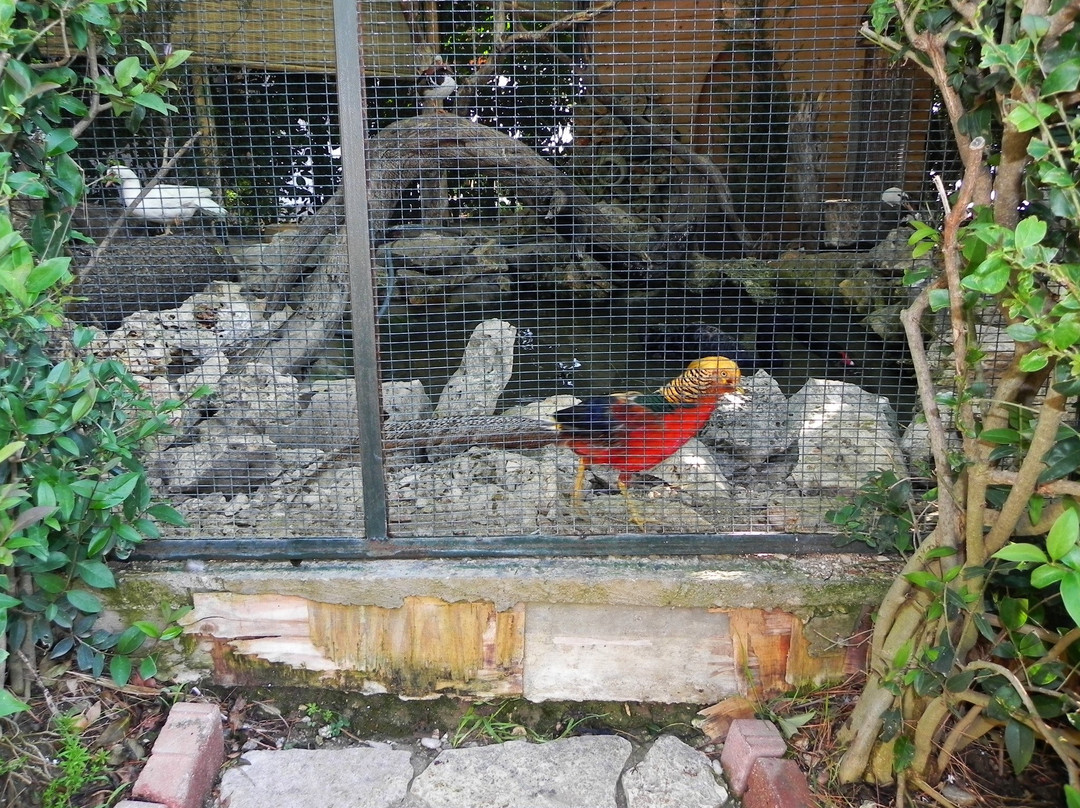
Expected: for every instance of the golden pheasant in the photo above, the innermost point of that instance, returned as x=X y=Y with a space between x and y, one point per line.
x=632 y=432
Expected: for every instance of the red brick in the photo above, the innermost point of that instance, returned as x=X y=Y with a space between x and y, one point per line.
x=185 y=759
x=777 y=783
x=190 y=727
x=748 y=740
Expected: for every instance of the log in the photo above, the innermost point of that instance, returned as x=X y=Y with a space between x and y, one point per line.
x=408 y=150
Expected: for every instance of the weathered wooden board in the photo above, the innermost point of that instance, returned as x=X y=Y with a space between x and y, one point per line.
x=772 y=654
x=575 y=632
x=291 y=35
x=423 y=648
x=648 y=653
x=627 y=653
x=725 y=68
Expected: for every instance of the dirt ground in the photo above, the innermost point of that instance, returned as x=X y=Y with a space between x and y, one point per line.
x=116 y=727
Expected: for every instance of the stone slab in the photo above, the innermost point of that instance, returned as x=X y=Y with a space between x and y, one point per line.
x=673 y=775
x=357 y=777
x=568 y=773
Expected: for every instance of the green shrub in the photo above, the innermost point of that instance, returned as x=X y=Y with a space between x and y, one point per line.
x=72 y=426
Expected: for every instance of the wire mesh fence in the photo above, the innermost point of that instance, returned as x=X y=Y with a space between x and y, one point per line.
x=565 y=207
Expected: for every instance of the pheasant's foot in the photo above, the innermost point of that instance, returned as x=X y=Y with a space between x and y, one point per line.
x=635 y=514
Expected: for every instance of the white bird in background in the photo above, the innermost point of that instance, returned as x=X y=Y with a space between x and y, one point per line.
x=437 y=84
x=896 y=198
x=165 y=204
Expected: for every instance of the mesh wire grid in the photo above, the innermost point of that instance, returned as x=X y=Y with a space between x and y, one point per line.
x=563 y=201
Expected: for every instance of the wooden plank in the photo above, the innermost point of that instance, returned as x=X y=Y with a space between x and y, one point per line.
x=772 y=654
x=622 y=652
x=424 y=647
x=291 y=35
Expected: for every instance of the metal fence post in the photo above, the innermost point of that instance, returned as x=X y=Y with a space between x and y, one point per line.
x=352 y=105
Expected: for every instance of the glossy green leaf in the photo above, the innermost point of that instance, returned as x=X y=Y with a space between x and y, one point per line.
x=131 y=640
x=1034 y=361
x=114 y=491
x=1019 y=551
x=1061 y=463
x=1026 y=117
x=1062 y=79
x=59 y=141
x=939 y=299
x=1035 y=506
x=1072 y=797
x=82 y=407
x=1035 y=26
x=40 y=426
x=1022 y=332
x=1046 y=575
x=1063 y=535
x=120 y=669
x=147 y=628
x=1020 y=744
x=1029 y=232
x=50 y=582
x=99 y=542
x=126 y=70
x=1070 y=594
x=153 y=101
x=148 y=667
x=902 y=656
x=167 y=514
x=1013 y=612
x=1002 y=435
x=177 y=58
x=903 y=753
x=990 y=277
x=9 y=705
x=959 y=682
x=1056 y=176
x=95 y=574
x=925 y=580
x=84 y=601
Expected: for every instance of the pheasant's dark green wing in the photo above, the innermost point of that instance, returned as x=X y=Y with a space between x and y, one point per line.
x=603 y=419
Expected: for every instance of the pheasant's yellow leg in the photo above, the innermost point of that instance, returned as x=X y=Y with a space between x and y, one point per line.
x=579 y=485
x=635 y=514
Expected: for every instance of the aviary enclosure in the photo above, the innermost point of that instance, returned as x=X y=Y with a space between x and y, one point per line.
x=447 y=221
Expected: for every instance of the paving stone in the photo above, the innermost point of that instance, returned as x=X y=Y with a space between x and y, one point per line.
x=749 y=739
x=357 y=777
x=673 y=775
x=569 y=773
x=777 y=783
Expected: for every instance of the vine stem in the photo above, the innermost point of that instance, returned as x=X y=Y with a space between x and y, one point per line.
x=1058 y=744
